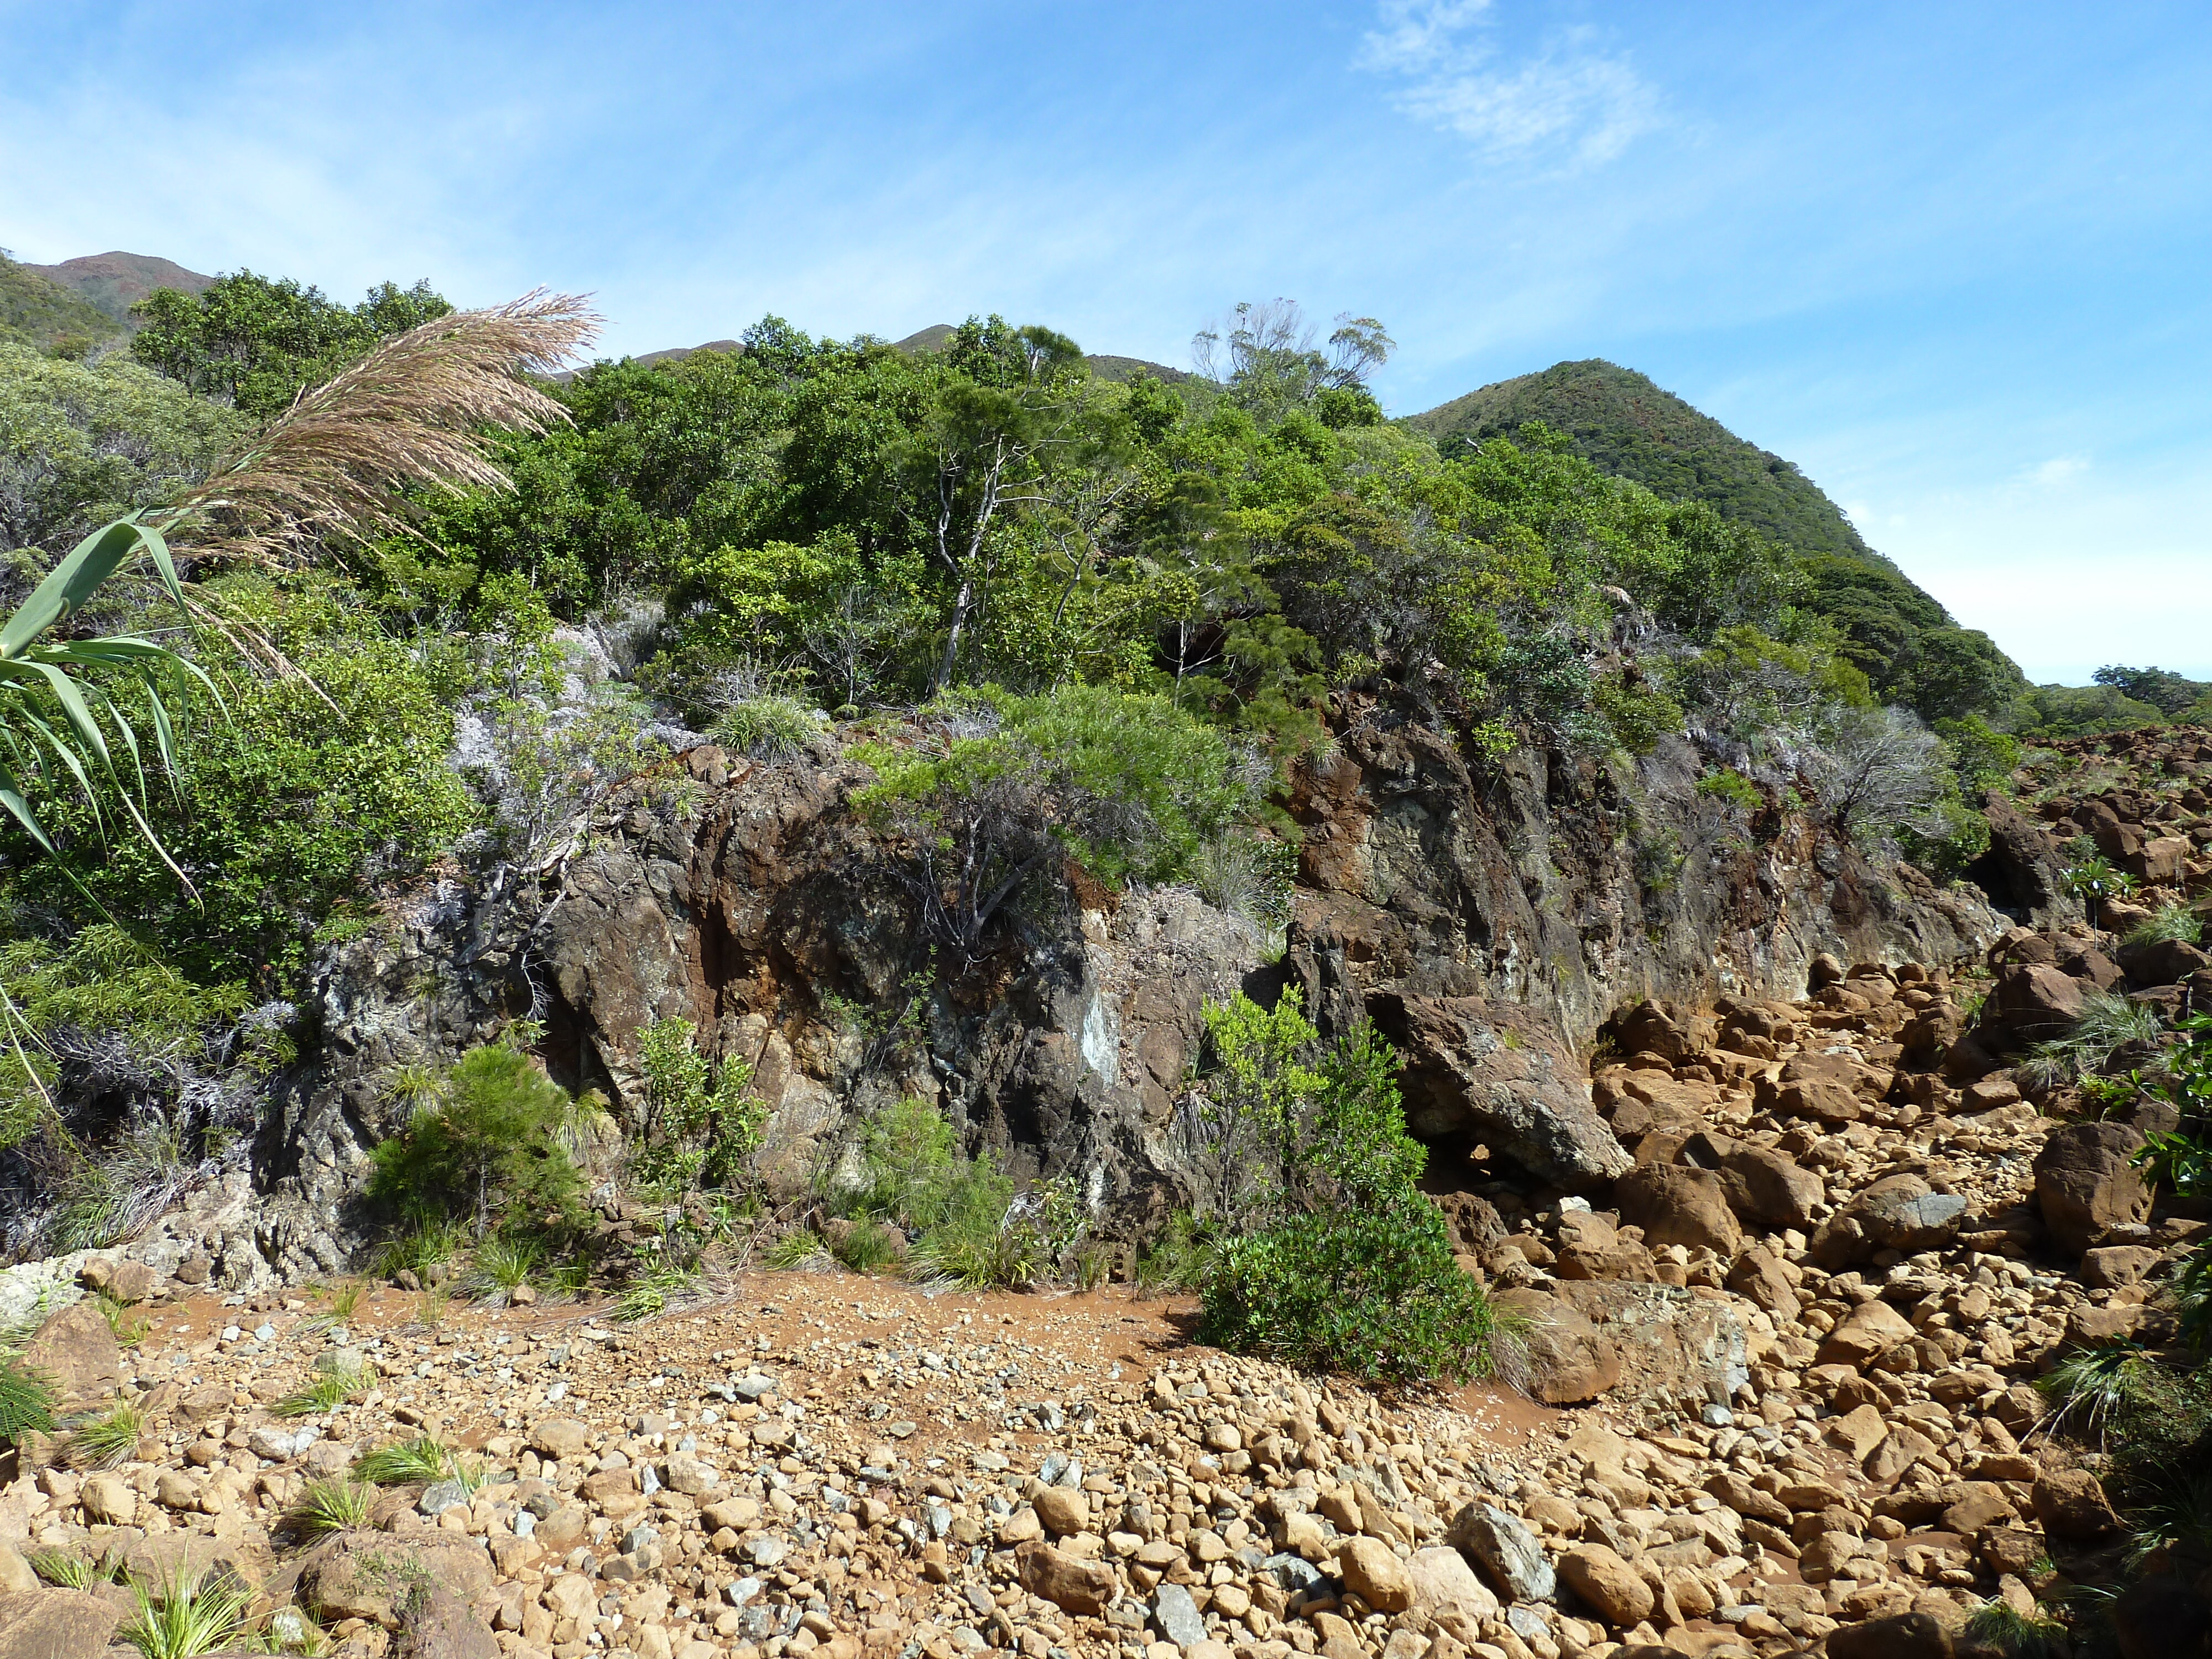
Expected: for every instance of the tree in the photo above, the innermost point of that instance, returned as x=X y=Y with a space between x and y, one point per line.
x=1266 y=356
x=256 y=343
x=2161 y=688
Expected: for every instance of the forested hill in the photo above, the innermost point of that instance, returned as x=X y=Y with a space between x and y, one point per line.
x=1632 y=428
x=1625 y=424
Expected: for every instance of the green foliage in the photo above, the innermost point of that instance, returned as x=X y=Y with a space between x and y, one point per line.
x=703 y=1124
x=27 y=1401
x=2049 y=711
x=1998 y=1624
x=106 y=1440
x=2095 y=880
x=1983 y=757
x=1348 y=1266
x=183 y=1617
x=1731 y=788
x=1249 y=876
x=46 y=314
x=492 y=1150
x=770 y=728
x=499 y=1267
x=2090 y=1387
x=404 y=1462
x=2170 y=694
x=256 y=343
x=72 y=1571
x=2108 y=1020
x=326 y=1392
x=2170 y=921
x=83 y=444
x=327 y=1505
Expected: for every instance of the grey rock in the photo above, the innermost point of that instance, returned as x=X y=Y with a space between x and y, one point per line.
x=1505 y=1548
x=442 y=1495
x=1176 y=1617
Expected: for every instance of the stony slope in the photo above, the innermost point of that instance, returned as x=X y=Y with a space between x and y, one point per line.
x=113 y=282
x=1806 y=1316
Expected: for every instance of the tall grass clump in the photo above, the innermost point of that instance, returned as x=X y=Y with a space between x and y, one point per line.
x=2108 y=1020
x=2170 y=921
x=184 y=1617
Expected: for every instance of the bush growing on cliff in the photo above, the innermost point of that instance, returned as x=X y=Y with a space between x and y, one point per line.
x=702 y=1121
x=1349 y=1267
x=493 y=1149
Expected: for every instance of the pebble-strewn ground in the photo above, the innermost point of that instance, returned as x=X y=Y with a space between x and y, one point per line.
x=829 y=1463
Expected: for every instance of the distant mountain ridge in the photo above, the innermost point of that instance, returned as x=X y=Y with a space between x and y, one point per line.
x=115 y=282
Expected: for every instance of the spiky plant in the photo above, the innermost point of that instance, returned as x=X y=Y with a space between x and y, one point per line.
x=331 y=1506
x=326 y=1391
x=2090 y=1386
x=107 y=1440
x=2017 y=1635
x=27 y=1402
x=499 y=1269
x=129 y=1329
x=403 y=1462
x=68 y=1571
x=2170 y=921
x=2108 y=1020
x=184 y=1617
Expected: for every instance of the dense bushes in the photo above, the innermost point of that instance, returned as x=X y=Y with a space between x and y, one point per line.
x=1328 y=1254
x=491 y=1143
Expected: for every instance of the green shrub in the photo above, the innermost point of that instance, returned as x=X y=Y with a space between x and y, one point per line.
x=1351 y=1268
x=326 y=1392
x=772 y=729
x=491 y=1152
x=1731 y=788
x=106 y=1440
x=703 y=1122
x=2108 y=1020
x=184 y=1617
x=2172 y=921
x=27 y=1402
x=865 y=1247
x=405 y=1461
x=328 y=1506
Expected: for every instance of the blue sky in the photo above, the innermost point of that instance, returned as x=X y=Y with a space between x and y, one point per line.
x=1950 y=259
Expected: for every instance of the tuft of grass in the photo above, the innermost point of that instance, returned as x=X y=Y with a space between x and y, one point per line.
x=184 y=1617
x=651 y=1294
x=2108 y=1020
x=105 y=1441
x=2172 y=921
x=426 y=1249
x=1998 y=1624
x=866 y=1247
x=339 y=1386
x=2090 y=1386
x=328 y=1506
x=772 y=729
x=1176 y=1261
x=425 y=1458
x=129 y=1329
x=499 y=1269
x=799 y=1249
x=71 y=1572
x=27 y=1402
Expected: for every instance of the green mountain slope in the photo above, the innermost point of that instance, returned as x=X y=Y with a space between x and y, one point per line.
x=33 y=307
x=1909 y=645
x=115 y=282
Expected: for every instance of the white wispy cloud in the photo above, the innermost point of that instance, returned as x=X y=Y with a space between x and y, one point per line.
x=1571 y=100
x=2060 y=468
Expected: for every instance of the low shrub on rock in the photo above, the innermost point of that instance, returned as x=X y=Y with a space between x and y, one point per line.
x=1344 y=1264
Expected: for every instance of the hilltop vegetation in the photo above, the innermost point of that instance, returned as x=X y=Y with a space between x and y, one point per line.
x=38 y=311
x=1906 y=643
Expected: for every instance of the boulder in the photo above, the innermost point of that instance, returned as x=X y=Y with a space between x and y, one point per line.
x=2168 y=961
x=437 y=1625
x=1176 y=1617
x=55 y=1624
x=368 y=1575
x=1898 y=1212
x=1070 y=1584
x=1768 y=1188
x=1684 y=1348
x=2159 y=1618
x=2115 y=1265
x=1507 y=1550
x=2022 y=871
x=76 y=1349
x=1373 y=1572
x=1498 y=1074
x=2072 y=1505
x=561 y=1437
x=1614 y=1591
x=2033 y=1002
x=1064 y=1511
x=1757 y=1276
x=1556 y=1356
x=1869 y=1330
x=1441 y=1578
x=1677 y=1204
x=1903 y=1636
x=2086 y=1184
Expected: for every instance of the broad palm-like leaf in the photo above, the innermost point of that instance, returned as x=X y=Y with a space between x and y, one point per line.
x=59 y=715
